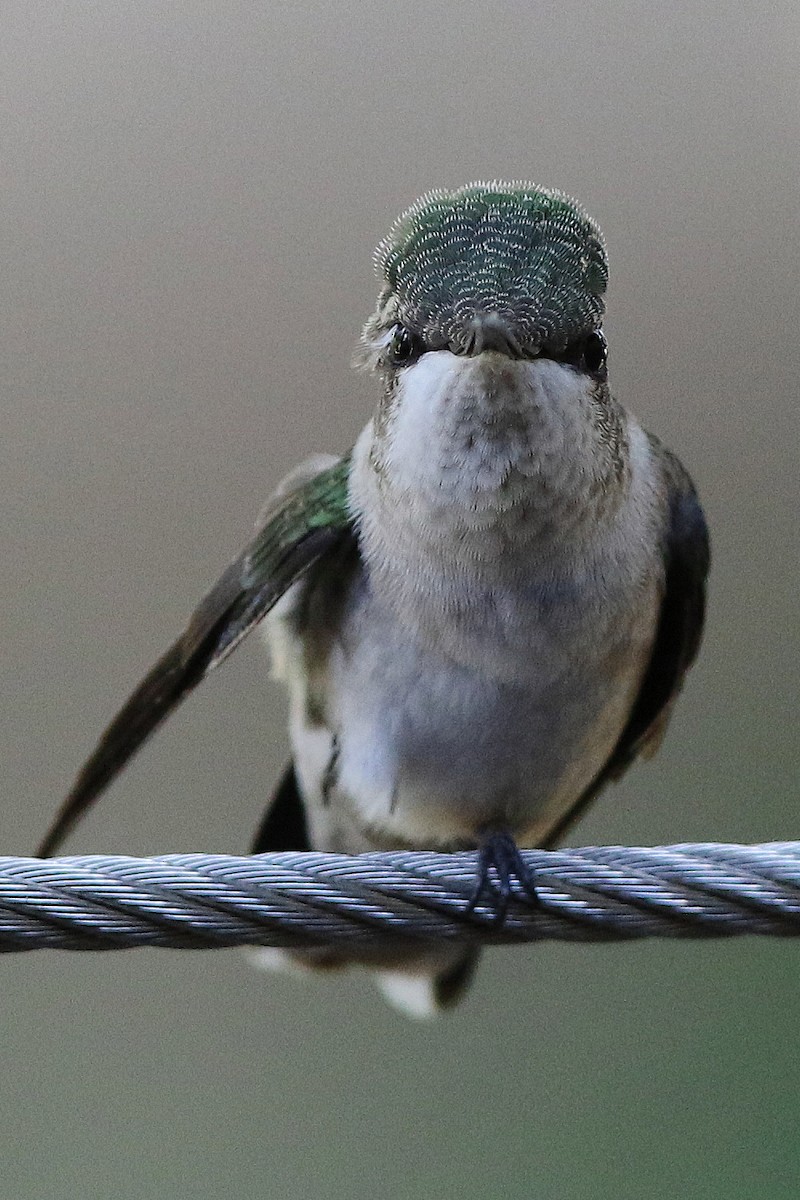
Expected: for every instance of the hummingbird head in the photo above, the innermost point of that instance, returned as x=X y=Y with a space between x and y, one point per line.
x=503 y=267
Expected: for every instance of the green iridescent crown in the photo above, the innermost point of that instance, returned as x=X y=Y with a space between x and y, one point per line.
x=530 y=255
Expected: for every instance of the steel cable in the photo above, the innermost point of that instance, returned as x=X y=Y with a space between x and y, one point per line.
x=360 y=903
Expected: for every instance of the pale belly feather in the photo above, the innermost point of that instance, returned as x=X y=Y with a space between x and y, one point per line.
x=492 y=639
x=429 y=752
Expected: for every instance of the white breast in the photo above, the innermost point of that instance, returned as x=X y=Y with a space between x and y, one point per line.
x=491 y=649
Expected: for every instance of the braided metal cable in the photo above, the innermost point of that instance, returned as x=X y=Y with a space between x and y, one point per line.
x=360 y=903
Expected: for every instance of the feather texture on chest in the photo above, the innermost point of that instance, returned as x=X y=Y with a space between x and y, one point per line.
x=501 y=505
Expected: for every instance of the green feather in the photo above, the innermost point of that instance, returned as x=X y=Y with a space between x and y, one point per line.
x=299 y=529
x=321 y=503
x=531 y=255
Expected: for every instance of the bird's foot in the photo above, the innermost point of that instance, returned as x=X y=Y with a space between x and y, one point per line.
x=502 y=871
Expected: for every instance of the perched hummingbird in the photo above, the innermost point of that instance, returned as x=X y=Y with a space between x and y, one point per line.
x=486 y=610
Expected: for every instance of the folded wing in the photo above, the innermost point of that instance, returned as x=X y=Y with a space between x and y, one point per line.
x=306 y=518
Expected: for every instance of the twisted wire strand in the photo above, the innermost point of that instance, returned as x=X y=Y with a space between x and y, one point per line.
x=361 y=903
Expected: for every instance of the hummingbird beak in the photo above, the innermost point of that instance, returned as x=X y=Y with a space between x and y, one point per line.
x=490 y=331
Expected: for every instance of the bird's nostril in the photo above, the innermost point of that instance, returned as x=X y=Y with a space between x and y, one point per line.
x=490 y=331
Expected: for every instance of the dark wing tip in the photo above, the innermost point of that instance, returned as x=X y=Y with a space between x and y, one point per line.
x=306 y=523
x=231 y=609
x=166 y=684
x=156 y=696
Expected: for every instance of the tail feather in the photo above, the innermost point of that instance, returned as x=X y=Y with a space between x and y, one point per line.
x=422 y=995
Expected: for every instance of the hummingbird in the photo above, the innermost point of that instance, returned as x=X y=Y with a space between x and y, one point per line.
x=486 y=610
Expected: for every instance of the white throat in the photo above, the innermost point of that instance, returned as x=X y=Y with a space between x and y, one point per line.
x=482 y=485
x=484 y=448
x=470 y=424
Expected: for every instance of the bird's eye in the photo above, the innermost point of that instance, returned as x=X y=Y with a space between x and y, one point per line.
x=594 y=352
x=586 y=354
x=404 y=347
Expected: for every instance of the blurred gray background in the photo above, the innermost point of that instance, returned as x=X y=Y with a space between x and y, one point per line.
x=191 y=195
